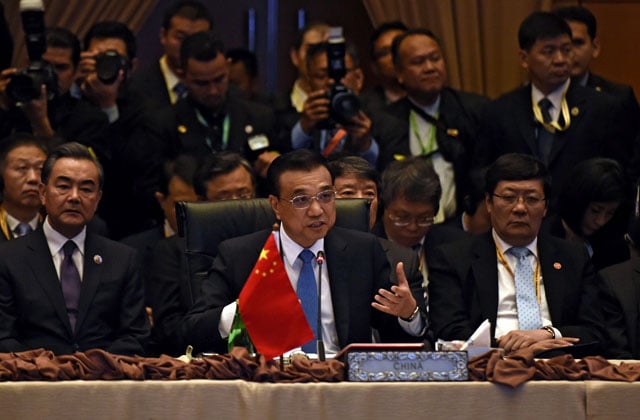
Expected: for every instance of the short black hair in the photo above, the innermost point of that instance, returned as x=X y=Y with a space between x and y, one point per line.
x=380 y=30
x=188 y=9
x=201 y=46
x=581 y=15
x=112 y=29
x=58 y=37
x=72 y=150
x=397 y=41
x=311 y=26
x=541 y=25
x=14 y=141
x=413 y=179
x=517 y=167
x=599 y=180
x=246 y=57
x=183 y=167
x=354 y=166
x=218 y=164
x=305 y=160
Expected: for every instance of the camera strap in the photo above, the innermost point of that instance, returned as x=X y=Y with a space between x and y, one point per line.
x=333 y=143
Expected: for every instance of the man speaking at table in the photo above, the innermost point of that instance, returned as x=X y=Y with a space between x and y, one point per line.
x=356 y=293
x=62 y=287
x=530 y=286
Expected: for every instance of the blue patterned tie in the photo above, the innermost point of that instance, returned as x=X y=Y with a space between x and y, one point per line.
x=22 y=229
x=308 y=294
x=70 y=282
x=526 y=300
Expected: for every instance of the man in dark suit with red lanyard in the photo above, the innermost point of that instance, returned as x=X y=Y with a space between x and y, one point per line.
x=62 y=287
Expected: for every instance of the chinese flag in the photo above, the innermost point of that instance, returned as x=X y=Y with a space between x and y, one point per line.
x=270 y=307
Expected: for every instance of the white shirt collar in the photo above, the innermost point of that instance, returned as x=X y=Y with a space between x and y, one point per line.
x=56 y=240
x=12 y=222
x=430 y=109
x=504 y=246
x=292 y=249
x=555 y=97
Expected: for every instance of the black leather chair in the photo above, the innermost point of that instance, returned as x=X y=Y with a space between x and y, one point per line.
x=205 y=224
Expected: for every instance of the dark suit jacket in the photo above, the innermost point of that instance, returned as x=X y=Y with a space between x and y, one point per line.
x=132 y=169
x=172 y=292
x=620 y=285
x=33 y=314
x=357 y=269
x=608 y=244
x=72 y=119
x=508 y=126
x=463 y=287
x=458 y=110
x=143 y=243
x=189 y=135
x=150 y=83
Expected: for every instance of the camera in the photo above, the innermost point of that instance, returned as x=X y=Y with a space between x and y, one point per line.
x=24 y=85
x=109 y=64
x=343 y=103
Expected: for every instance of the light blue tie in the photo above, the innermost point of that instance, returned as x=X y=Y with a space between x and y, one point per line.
x=308 y=294
x=526 y=300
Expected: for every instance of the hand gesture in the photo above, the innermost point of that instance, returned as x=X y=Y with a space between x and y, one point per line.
x=399 y=301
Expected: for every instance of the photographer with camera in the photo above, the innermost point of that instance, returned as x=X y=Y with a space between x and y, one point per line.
x=331 y=120
x=37 y=99
x=135 y=152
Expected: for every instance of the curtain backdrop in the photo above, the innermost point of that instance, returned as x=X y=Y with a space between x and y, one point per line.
x=480 y=46
x=77 y=16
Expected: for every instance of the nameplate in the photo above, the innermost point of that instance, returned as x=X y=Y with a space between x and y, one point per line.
x=407 y=366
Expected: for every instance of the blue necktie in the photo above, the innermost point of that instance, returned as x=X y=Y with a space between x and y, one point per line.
x=70 y=282
x=180 y=90
x=526 y=300
x=22 y=229
x=308 y=294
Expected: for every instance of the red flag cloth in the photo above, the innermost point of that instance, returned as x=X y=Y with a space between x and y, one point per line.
x=270 y=307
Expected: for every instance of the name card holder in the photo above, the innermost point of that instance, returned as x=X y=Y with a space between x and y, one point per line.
x=403 y=363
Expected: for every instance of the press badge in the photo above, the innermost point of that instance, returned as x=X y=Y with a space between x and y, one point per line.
x=258 y=142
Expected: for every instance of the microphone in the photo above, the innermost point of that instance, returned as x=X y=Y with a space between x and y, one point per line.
x=32 y=13
x=320 y=343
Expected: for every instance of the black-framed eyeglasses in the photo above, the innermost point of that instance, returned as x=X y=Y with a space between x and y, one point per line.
x=528 y=200
x=303 y=201
x=403 y=221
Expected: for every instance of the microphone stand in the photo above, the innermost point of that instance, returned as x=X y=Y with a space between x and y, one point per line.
x=320 y=343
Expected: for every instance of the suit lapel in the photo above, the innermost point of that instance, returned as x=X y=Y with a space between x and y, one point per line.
x=401 y=110
x=91 y=277
x=338 y=267
x=525 y=120
x=45 y=274
x=574 y=101
x=552 y=277
x=485 y=274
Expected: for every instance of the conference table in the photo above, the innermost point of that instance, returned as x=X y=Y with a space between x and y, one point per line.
x=239 y=399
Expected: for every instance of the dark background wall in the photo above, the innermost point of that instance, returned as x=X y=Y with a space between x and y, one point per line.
x=274 y=37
